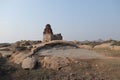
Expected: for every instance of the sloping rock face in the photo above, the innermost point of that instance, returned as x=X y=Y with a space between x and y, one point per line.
x=29 y=63
x=53 y=43
x=54 y=62
x=18 y=58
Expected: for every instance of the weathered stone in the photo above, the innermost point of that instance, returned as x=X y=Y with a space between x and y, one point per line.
x=54 y=62
x=52 y=43
x=18 y=58
x=29 y=63
x=57 y=36
x=49 y=36
x=48 y=29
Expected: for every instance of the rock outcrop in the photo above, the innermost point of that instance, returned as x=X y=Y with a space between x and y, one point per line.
x=53 y=43
x=54 y=62
x=18 y=58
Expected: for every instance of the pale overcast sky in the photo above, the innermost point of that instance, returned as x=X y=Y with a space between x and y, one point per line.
x=75 y=19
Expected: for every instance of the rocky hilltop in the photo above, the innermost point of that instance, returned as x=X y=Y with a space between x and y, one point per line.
x=57 y=59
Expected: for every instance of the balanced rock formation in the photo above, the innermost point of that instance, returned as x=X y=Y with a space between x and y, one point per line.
x=49 y=36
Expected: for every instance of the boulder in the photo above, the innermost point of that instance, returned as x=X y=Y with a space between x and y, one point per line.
x=54 y=62
x=29 y=63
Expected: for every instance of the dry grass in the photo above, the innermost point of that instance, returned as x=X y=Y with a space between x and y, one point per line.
x=92 y=69
x=84 y=69
x=108 y=52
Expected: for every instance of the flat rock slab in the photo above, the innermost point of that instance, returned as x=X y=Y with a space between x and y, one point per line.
x=72 y=53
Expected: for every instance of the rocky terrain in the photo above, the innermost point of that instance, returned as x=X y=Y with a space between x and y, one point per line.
x=59 y=60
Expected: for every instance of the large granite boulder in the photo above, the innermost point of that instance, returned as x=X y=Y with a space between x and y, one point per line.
x=29 y=63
